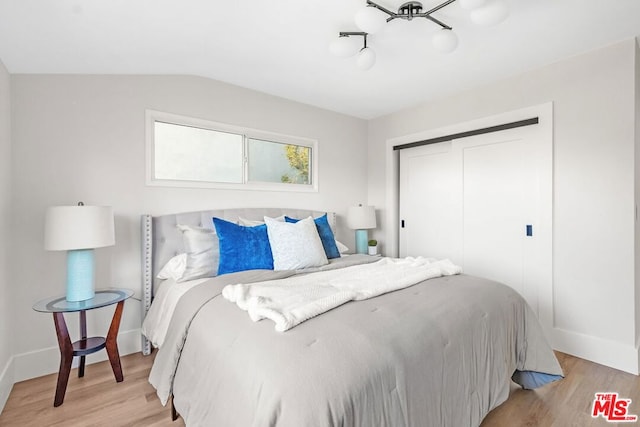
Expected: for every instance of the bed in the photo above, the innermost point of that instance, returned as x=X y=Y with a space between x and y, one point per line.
x=424 y=345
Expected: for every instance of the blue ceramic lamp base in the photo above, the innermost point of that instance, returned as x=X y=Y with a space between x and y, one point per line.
x=80 y=268
x=362 y=241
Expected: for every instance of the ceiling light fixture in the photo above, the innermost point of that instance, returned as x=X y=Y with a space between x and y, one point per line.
x=372 y=17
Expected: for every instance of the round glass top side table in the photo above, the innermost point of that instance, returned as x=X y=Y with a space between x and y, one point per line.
x=85 y=345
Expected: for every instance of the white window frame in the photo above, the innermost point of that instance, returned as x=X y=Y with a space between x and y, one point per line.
x=152 y=116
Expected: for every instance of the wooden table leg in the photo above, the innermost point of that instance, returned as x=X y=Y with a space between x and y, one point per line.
x=112 y=343
x=174 y=412
x=83 y=335
x=66 y=357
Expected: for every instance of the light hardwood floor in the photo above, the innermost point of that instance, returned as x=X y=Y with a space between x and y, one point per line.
x=94 y=400
x=97 y=400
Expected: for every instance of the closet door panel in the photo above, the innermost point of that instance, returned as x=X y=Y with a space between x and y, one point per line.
x=430 y=208
x=494 y=200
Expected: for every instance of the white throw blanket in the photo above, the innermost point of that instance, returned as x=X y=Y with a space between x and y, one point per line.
x=289 y=302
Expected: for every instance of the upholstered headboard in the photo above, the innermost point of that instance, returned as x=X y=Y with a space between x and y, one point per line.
x=161 y=240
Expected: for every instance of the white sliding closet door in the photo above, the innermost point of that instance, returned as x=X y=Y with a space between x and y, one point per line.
x=430 y=202
x=500 y=205
x=485 y=203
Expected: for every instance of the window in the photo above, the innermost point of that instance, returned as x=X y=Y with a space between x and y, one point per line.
x=188 y=152
x=193 y=154
x=278 y=162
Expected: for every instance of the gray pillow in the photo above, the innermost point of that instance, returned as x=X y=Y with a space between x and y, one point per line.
x=203 y=252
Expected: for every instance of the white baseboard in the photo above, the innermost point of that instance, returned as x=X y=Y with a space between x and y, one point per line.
x=604 y=352
x=6 y=382
x=47 y=360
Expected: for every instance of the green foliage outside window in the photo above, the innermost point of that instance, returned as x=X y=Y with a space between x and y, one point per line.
x=298 y=157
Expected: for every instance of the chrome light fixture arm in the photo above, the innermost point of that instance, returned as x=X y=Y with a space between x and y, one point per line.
x=382 y=8
x=355 y=33
x=413 y=9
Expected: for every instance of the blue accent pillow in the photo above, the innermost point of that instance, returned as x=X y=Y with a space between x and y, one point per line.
x=242 y=248
x=326 y=235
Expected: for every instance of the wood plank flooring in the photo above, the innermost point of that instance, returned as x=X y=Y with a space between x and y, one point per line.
x=94 y=400
x=567 y=402
x=97 y=400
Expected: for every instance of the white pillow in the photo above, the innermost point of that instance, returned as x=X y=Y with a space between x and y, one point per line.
x=252 y=223
x=174 y=268
x=342 y=248
x=295 y=245
x=203 y=252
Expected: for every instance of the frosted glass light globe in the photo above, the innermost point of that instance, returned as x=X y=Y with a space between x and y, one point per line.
x=345 y=46
x=471 y=4
x=366 y=58
x=370 y=20
x=492 y=13
x=445 y=41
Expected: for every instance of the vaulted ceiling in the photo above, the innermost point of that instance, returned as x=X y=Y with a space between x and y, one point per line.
x=281 y=46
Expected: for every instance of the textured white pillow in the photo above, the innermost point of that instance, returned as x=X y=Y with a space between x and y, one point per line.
x=295 y=245
x=174 y=268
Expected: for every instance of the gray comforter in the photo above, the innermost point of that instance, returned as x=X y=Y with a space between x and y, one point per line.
x=439 y=353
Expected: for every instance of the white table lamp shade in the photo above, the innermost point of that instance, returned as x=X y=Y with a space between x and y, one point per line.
x=361 y=217
x=78 y=230
x=78 y=227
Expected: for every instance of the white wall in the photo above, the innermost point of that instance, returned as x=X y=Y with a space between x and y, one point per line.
x=6 y=318
x=594 y=101
x=79 y=137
